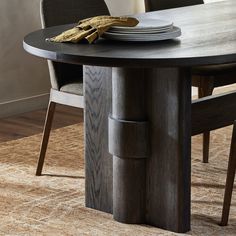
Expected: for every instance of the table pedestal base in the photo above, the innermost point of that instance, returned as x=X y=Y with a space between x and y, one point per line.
x=128 y=143
x=149 y=138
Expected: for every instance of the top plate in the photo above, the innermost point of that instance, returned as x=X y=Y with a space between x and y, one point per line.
x=145 y=25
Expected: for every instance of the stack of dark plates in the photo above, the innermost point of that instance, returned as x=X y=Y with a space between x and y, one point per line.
x=146 y=30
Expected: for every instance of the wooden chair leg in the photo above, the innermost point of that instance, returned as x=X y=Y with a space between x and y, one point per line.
x=204 y=90
x=206 y=146
x=229 y=180
x=46 y=133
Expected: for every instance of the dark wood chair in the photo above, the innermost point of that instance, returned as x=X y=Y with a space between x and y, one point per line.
x=205 y=78
x=66 y=79
x=229 y=179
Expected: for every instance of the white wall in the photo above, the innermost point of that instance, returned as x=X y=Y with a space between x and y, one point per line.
x=24 y=79
x=125 y=7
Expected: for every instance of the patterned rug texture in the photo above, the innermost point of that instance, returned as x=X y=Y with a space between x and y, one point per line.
x=53 y=204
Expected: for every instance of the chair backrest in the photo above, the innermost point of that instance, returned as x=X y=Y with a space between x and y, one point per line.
x=59 y=12
x=155 y=5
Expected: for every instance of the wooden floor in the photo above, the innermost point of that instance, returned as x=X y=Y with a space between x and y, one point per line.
x=31 y=123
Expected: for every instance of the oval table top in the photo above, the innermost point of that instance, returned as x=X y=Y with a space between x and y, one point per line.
x=208 y=37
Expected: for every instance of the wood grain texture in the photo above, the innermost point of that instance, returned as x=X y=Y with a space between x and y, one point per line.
x=128 y=139
x=168 y=167
x=129 y=103
x=98 y=162
x=129 y=181
x=205 y=78
x=213 y=112
x=201 y=25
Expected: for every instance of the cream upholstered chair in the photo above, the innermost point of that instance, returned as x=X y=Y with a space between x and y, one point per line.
x=206 y=78
x=230 y=179
x=66 y=79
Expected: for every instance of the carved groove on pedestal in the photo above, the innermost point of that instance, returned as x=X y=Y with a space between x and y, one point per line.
x=128 y=139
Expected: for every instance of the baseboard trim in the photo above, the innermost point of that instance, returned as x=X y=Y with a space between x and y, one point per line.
x=23 y=105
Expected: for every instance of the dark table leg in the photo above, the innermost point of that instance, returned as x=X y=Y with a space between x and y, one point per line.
x=149 y=130
x=98 y=161
x=168 y=166
x=128 y=142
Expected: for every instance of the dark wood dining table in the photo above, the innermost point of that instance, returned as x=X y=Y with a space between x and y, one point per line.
x=138 y=112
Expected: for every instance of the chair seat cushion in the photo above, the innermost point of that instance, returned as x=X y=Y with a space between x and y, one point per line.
x=214 y=69
x=74 y=88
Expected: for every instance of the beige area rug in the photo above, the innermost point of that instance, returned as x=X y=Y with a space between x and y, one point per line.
x=54 y=203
